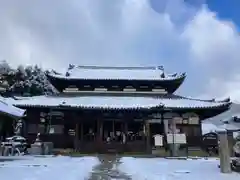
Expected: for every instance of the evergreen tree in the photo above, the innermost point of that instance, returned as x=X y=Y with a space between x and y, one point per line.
x=30 y=80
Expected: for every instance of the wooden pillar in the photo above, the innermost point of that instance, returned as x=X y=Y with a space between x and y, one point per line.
x=113 y=128
x=100 y=130
x=81 y=131
x=165 y=123
x=24 y=127
x=224 y=152
x=99 y=144
x=174 y=148
x=76 y=136
x=125 y=131
x=148 y=138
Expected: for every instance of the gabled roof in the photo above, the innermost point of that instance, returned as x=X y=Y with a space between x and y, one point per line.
x=234 y=110
x=9 y=109
x=119 y=102
x=117 y=73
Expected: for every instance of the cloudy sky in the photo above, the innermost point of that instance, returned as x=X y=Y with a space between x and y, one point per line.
x=193 y=36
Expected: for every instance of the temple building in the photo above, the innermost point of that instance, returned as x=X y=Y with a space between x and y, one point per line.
x=116 y=109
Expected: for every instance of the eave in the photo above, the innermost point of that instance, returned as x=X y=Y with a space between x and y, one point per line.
x=170 y=84
x=173 y=103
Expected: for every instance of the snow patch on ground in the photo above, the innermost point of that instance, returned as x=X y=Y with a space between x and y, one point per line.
x=48 y=168
x=163 y=169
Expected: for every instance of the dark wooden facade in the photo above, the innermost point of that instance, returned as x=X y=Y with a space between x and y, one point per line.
x=70 y=128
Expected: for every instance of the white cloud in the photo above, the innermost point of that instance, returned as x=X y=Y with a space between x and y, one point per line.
x=124 y=32
x=214 y=46
x=211 y=39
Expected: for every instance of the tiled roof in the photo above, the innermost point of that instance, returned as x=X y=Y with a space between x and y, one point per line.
x=117 y=102
x=117 y=73
x=9 y=109
x=230 y=127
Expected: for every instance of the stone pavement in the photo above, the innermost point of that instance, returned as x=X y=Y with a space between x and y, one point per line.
x=108 y=169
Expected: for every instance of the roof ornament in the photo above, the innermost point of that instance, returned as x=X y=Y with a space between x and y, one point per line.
x=160 y=68
x=225 y=100
x=174 y=75
x=162 y=75
x=55 y=72
x=212 y=100
x=71 y=66
x=67 y=74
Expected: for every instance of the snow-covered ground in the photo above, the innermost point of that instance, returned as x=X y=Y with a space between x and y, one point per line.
x=67 y=168
x=48 y=168
x=163 y=169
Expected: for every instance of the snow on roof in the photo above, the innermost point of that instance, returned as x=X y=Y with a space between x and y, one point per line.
x=229 y=127
x=91 y=102
x=182 y=102
x=127 y=73
x=209 y=127
x=9 y=109
x=120 y=102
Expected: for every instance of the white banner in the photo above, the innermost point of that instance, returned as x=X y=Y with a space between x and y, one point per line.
x=176 y=138
x=158 y=140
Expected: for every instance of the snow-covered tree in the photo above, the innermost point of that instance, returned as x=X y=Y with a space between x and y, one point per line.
x=5 y=68
x=6 y=74
x=30 y=80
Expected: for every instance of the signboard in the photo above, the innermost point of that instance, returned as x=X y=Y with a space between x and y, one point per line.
x=51 y=130
x=210 y=139
x=210 y=136
x=176 y=138
x=158 y=140
x=194 y=120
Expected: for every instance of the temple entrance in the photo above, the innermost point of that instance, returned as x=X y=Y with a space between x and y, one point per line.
x=89 y=131
x=113 y=136
x=112 y=131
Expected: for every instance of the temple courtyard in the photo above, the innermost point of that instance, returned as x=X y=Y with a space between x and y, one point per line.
x=110 y=168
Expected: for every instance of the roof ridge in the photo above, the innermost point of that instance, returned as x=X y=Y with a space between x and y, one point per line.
x=227 y=100
x=121 y=67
